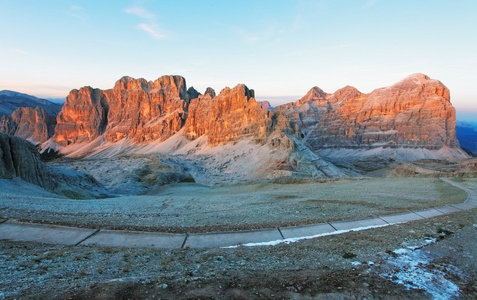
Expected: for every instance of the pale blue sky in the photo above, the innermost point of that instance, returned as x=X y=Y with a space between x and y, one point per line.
x=279 y=48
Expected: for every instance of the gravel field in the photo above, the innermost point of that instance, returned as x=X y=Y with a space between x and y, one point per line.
x=432 y=258
x=368 y=264
x=190 y=207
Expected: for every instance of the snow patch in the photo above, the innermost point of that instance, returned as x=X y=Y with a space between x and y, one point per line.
x=297 y=239
x=413 y=271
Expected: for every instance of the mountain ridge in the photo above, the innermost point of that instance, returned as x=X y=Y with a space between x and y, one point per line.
x=414 y=112
x=11 y=100
x=411 y=119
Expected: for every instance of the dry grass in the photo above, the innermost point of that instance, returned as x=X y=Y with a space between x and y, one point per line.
x=467 y=182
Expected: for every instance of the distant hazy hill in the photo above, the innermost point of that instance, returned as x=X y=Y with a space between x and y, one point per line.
x=57 y=100
x=9 y=101
x=467 y=136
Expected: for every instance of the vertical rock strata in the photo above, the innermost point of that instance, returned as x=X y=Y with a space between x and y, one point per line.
x=413 y=113
x=232 y=115
x=33 y=124
x=134 y=108
x=147 y=111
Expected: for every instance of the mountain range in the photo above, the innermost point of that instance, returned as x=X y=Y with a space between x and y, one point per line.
x=412 y=119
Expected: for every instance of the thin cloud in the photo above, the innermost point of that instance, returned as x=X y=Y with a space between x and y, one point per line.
x=139 y=12
x=152 y=30
x=150 y=26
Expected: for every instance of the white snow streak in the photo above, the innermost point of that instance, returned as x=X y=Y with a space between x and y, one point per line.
x=297 y=239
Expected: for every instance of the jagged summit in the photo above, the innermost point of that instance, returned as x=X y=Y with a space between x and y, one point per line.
x=314 y=93
x=130 y=83
x=193 y=93
x=413 y=79
x=137 y=117
x=241 y=88
x=173 y=84
x=228 y=116
x=420 y=82
x=210 y=91
x=136 y=109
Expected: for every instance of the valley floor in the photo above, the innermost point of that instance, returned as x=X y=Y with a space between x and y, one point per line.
x=189 y=207
x=431 y=258
x=426 y=259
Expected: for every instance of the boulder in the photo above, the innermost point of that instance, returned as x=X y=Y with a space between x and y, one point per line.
x=20 y=159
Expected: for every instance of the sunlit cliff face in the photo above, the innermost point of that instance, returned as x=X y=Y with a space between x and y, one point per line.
x=148 y=111
x=134 y=108
x=33 y=124
x=415 y=112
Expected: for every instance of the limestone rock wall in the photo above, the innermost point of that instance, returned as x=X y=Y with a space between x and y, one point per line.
x=134 y=108
x=232 y=115
x=415 y=112
x=33 y=124
x=148 y=111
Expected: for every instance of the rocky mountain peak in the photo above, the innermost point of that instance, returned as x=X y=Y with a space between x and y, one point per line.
x=314 y=94
x=193 y=93
x=239 y=90
x=347 y=92
x=415 y=112
x=173 y=84
x=210 y=91
x=413 y=79
x=410 y=88
x=129 y=83
x=232 y=115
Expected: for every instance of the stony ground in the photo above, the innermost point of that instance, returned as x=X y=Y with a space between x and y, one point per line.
x=426 y=259
x=188 y=207
x=433 y=258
